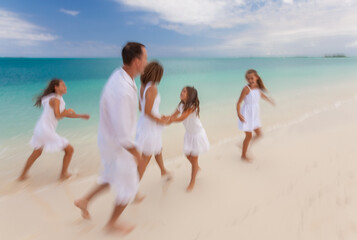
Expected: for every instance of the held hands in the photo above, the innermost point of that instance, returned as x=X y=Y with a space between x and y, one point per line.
x=170 y=120
x=164 y=120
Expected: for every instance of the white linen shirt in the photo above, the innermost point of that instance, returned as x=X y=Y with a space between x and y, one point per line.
x=117 y=125
x=118 y=110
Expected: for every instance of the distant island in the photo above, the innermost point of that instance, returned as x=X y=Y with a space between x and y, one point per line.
x=336 y=56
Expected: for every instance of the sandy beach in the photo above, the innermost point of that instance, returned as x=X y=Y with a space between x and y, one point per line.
x=302 y=183
x=117 y=69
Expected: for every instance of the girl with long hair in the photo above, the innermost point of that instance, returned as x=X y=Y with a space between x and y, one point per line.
x=248 y=114
x=195 y=140
x=151 y=123
x=45 y=136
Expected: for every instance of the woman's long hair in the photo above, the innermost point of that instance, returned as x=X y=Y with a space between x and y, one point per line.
x=48 y=90
x=153 y=73
x=192 y=100
x=259 y=81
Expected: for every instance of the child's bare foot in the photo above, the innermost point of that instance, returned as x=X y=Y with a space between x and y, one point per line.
x=138 y=198
x=190 y=187
x=246 y=159
x=65 y=176
x=82 y=204
x=256 y=138
x=119 y=228
x=22 y=178
x=166 y=176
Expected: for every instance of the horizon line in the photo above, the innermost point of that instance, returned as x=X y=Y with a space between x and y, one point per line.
x=193 y=57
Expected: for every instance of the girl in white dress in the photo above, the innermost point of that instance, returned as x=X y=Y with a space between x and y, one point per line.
x=45 y=136
x=248 y=114
x=195 y=140
x=150 y=124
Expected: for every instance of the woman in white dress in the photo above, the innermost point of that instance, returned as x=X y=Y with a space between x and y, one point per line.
x=45 y=136
x=151 y=124
x=248 y=114
x=195 y=140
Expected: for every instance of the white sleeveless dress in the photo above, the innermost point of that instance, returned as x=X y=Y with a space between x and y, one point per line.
x=195 y=140
x=148 y=132
x=250 y=111
x=44 y=135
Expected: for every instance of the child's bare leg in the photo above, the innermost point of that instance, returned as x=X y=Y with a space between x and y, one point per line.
x=143 y=164
x=82 y=203
x=120 y=228
x=194 y=162
x=258 y=134
x=248 y=137
x=160 y=162
x=68 y=152
x=32 y=158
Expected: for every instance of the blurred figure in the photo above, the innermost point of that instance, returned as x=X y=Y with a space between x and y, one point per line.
x=45 y=136
x=119 y=156
x=150 y=124
x=195 y=141
x=249 y=117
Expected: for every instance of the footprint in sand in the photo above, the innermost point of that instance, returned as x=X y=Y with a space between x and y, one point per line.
x=86 y=229
x=69 y=192
x=166 y=184
x=50 y=212
x=13 y=187
x=32 y=236
x=338 y=201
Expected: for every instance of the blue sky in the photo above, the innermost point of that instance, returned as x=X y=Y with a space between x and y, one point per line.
x=181 y=28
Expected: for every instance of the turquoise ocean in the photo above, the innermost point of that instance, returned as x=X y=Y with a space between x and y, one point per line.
x=218 y=80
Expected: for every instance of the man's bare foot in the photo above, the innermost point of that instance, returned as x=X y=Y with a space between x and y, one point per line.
x=82 y=204
x=65 y=176
x=246 y=159
x=119 y=228
x=22 y=178
x=138 y=198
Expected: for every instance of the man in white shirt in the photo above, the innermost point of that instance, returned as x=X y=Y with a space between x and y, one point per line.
x=117 y=124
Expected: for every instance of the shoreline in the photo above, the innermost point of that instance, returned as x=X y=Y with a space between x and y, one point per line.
x=221 y=128
x=300 y=185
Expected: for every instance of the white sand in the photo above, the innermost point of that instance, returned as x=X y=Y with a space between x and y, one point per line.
x=302 y=183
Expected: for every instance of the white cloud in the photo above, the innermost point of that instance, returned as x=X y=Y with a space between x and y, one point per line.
x=288 y=1
x=69 y=12
x=15 y=28
x=300 y=29
x=215 y=14
x=259 y=27
x=352 y=44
